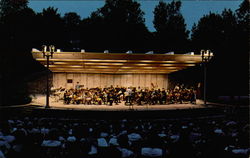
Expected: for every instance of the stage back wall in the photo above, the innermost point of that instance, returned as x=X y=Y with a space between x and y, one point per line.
x=106 y=80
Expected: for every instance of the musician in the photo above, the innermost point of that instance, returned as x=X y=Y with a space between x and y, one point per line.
x=177 y=87
x=177 y=96
x=154 y=97
x=159 y=96
x=148 y=97
x=182 y=93
x=77 y=87
x=74 y=96
x=163 y=99
x=67 y=98
x=171 y=96
x=186 y=95
x=115 y=97
x=105 y=97
x=139 y=89
x=139 y=97
x=78 y=98
x=133 y=92
x=110 y=98
x=193 y=96
x=83 y=97
x=97 y=98
x=128 y=95
x=119 y=96
x=88 y=98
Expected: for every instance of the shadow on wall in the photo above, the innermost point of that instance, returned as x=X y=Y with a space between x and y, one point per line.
x=36 y=84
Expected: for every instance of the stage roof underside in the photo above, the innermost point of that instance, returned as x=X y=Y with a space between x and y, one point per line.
x=117 y=63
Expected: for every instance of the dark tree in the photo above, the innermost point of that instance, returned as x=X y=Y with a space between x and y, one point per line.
x=242 y=47
x=126 y=11
x=117 y=26
x=243 y=13
x=50 y=26
x=17 y=30
x=14 y=16
x=71 y=29
x=225 y=35
x=171 y=33
x=207 y=34
x=93 y=33
x=12 y=7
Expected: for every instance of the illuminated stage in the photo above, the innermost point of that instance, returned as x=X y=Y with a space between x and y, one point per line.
x=39 y=101
x=101 y=70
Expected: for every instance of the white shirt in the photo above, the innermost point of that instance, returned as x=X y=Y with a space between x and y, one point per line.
x=218 y=131
x=93 y=150
x=1 y=154
x=8 y=138
x=134 y=137
x=175 y=137
x=4 y=143
x=240 y=151
x=71 y=139
x=102 y=142
x=152 y=152
x=113 y=141
x=51 y=143
x=125 y=152
x=104 y=134
x=44 y=130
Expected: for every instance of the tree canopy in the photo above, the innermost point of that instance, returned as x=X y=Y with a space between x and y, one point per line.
x=120 y=26
x=171 y=33
x=226 y=35
x=8 y=7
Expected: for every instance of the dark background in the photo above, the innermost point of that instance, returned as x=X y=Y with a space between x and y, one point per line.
x=119 y=26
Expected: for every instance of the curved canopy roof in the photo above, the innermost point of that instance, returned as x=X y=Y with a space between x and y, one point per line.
x=117 y=63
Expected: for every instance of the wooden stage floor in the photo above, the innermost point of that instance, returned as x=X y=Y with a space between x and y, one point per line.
x=39 y=101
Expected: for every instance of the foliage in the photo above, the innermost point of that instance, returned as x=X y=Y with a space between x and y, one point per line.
x=71 y=22
x=50 y=26
x=226 y=34
x=171 y=33
x=117 y=11
x=117 y=26
x=209 y=27
x=8 y=7
x=243 y=12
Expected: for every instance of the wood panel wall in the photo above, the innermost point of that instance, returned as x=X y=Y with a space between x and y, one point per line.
x=106 y=80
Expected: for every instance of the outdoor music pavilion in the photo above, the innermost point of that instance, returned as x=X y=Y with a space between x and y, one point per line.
x=122 y=69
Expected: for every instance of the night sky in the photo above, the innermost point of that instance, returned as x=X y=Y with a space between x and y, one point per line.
x=192 y=10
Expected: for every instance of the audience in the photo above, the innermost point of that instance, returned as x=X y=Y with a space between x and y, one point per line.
x=159 y=138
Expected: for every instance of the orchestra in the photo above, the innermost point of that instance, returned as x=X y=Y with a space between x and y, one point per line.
x=130 y=95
